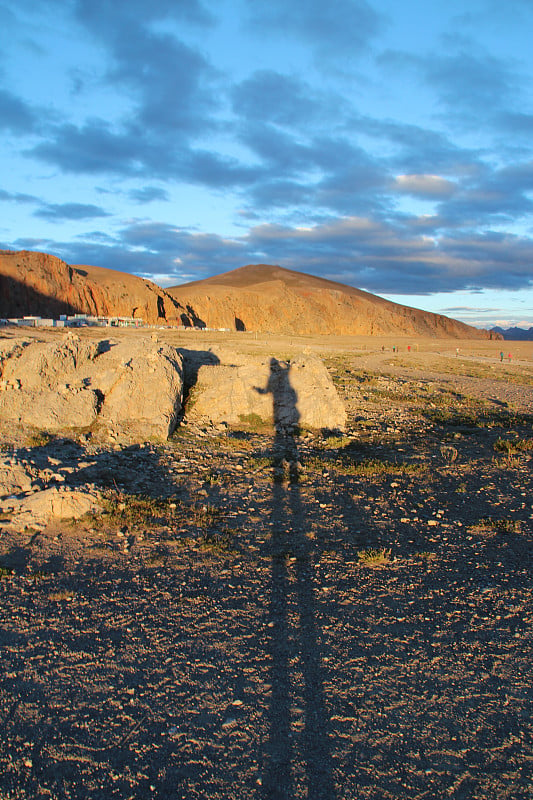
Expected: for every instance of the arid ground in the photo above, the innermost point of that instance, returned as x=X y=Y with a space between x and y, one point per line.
x=326 y=616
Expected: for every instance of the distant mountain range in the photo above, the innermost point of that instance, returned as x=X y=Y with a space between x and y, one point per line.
x=258 y=297
x=515 y=334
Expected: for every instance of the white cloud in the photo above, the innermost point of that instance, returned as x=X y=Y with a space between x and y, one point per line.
x=428 y=186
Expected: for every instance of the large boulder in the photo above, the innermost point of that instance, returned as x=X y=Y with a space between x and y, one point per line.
x=132 y=388
x=242 y=389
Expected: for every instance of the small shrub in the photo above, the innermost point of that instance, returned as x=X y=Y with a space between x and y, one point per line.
x=426 y=555
x=448 y=453
x=56 y=597
x=374 y=557
x=5 y=572
x=218 y=541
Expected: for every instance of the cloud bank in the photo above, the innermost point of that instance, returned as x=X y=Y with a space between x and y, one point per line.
x=204 y=136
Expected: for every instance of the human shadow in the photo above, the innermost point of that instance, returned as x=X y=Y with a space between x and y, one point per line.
x=292 y=580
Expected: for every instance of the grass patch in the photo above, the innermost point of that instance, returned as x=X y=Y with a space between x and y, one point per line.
x=135 y=510
x=491 y=527
x=254 y=422
x=374 y=557
x=39 y=438
x=373 y=466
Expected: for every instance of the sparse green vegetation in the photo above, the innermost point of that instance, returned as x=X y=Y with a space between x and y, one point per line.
x=494 y=372
x=372 y=467
x=333 y=442
x=257 y=463
x=513 y=446
x=135 y=511
x=449 y=453
x=476 y=415
x=368 y=468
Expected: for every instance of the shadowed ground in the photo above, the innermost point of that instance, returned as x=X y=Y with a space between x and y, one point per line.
x=231 y=642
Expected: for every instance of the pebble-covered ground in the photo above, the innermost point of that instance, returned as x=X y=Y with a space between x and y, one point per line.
x=258 y=615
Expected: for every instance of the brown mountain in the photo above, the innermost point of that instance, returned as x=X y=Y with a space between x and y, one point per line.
x=41 y=284
x=256 y=297
x=271 y=299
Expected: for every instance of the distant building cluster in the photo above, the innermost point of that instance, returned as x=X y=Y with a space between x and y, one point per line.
x=75 y=321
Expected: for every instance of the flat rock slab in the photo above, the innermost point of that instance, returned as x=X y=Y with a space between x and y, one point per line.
x=38 y=509
x=130 y=388
x=242 y=389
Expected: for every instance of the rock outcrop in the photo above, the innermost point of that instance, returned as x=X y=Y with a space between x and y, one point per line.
x=131 y=389
x=243 y=389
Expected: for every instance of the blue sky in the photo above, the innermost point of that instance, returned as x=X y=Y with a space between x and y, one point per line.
x=385 y=145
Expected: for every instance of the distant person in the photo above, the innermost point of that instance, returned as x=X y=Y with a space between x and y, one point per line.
x=501 y=356
x=408 y=348
x=509 y=356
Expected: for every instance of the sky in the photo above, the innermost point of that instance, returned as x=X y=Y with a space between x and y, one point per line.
x=385 y=145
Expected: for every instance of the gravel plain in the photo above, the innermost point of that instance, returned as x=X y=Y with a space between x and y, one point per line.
x=328 y=616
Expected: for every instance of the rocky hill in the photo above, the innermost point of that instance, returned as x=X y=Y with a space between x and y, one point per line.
x=41 y=284
x=256 y=298
x=268 y=298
